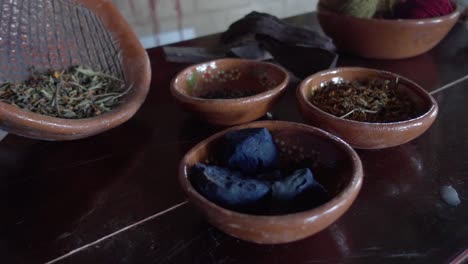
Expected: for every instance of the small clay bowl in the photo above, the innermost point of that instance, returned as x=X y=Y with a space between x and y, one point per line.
x=337 y=167
x=262 y=83
x=385 y=38
x=364 y=135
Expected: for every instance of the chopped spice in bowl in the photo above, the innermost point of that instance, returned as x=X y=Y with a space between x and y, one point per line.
x=368 y=100
x=367 y=108
x=229 y=91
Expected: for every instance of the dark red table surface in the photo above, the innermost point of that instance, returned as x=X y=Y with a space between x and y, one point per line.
x=114 y=198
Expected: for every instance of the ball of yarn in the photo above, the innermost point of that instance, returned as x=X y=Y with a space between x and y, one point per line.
x=386 y=8
x=360 y=8
x=356 y=8
x=415 y=9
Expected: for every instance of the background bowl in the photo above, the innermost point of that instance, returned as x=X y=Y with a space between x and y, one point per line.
x=269 y=80
x=362 y=134
x=337 y=167
x=385 y=38
x=91 y=33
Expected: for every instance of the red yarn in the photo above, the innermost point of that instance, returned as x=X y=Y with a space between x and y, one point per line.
x=423 y=8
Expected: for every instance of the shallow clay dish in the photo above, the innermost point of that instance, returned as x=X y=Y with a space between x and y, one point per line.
x=365 y=135
x=385 y=38
x=91 y=33
x=337 y=167
x=265 y=82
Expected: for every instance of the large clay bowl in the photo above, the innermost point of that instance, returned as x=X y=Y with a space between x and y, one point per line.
x=268 y=81
x=385 y=38
x=338 y=168
x=366 y=135
x=104 y=40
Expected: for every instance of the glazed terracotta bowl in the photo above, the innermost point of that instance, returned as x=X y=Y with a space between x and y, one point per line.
x=385 y=38
x=204 y=89
x=336 y=166
x=110 y=45
x=366 y=135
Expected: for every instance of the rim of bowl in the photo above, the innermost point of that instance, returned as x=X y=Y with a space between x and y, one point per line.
x=455 y=13
x=353 y=186
x=421 y=93
x=256 y=97
x=83 y=126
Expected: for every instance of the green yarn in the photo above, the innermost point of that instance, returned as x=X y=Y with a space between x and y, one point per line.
x=356 y=8
x=386 y=8
x=360 y=8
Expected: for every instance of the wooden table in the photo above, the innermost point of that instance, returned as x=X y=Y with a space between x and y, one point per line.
x=114 y=198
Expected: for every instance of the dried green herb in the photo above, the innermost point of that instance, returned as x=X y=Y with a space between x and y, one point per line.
x=228 y=94
x=73 y=93
x=373 y=100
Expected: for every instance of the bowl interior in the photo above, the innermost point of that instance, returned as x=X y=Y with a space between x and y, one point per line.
x=419 y=97
x=332 y=161
x=229 y=79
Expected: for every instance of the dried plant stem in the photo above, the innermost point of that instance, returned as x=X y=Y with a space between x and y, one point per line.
x=73 y=93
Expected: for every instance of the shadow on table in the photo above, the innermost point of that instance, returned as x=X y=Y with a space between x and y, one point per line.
x=57 y=185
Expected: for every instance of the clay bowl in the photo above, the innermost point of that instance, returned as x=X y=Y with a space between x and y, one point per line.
x=385 y=38
x=366 y=135
x=109 y=27
x=337 y=167
x=262 y=84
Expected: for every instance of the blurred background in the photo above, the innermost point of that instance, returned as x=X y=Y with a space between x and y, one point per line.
x=159 y=22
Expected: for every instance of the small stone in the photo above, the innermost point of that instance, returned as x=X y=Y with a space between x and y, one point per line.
x=450 y=195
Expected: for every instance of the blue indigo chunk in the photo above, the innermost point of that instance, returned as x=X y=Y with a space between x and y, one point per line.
x=250 y=150
x=294 y=185
x=227 y=187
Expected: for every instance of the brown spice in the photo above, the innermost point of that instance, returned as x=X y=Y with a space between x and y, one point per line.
x=373 y=100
